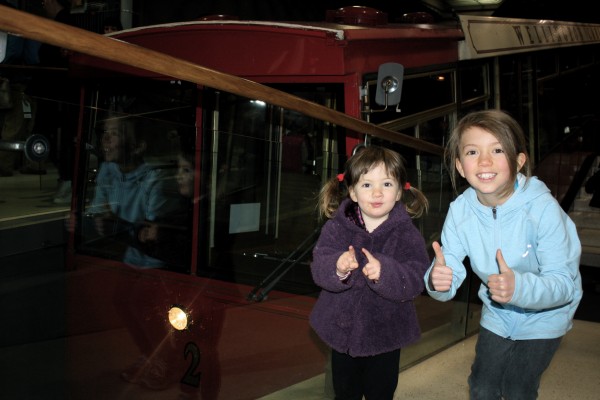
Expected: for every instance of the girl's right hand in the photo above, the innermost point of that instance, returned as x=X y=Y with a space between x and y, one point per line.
x=347 y=262
x=148 y=233
x=440 y=276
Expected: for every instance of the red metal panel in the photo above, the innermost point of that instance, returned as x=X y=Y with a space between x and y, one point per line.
x=261 y=50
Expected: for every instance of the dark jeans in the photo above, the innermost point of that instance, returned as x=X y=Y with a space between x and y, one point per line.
x=509 y=369
x=375 y=377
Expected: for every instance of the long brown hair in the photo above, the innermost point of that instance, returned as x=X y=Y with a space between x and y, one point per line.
x=504 y=128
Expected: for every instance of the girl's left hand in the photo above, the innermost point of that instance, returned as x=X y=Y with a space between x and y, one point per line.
x=502 y=285
x=372 y=269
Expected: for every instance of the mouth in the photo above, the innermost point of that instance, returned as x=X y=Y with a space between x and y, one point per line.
x=486 y=176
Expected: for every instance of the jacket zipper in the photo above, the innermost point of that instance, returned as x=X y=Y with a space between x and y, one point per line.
x=494 y=212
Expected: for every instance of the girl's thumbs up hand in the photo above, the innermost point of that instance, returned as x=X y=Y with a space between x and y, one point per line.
x=502 y=285
x=440 y=277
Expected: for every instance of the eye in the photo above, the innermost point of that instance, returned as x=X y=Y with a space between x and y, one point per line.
x=498 y=151
x=366 y=185
x=388 y=184
x=470 y=152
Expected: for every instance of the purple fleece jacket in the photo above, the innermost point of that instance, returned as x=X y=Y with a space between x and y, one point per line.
x=358 y=316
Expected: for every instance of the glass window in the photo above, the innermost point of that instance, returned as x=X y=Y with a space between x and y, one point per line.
x=139 y=159
x=547 y=63
x=473 y=82
x=261 y=183
x=419 y=94
x=43 y=111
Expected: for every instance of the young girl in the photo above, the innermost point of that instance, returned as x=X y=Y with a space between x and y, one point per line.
x=523 y=247
x=169 y=237
x=369 y=261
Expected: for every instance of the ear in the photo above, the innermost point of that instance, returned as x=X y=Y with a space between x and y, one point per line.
x=352 y=194
x=459 y=167
x=521 y=158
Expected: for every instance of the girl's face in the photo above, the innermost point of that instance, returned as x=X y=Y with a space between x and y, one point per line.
x=185 y=177
x=376 y=194
x=111 y=142
x=484 y=165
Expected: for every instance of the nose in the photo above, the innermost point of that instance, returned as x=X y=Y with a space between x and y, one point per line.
x=377 y=192
x=485 y=159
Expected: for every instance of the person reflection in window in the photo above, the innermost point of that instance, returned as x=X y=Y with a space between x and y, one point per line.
x=128 y=190
x=111 y=25
x=169 y=238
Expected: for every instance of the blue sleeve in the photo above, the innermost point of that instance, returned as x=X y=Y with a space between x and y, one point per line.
x=159 y=202
x=558 y=251
x=454 y=254
x=100 y=202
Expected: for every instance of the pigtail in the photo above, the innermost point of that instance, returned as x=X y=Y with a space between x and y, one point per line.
x=331 y=195
x=416 y=202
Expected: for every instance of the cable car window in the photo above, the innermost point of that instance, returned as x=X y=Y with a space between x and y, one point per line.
x=473 y=83
x=425 y=92
x=139 y=146
x=569 y=59
x=586 y=58
x=547 y=64
x=260 y=184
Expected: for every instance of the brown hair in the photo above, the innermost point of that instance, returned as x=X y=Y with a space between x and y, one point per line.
x=504 y=128
x=335 y=190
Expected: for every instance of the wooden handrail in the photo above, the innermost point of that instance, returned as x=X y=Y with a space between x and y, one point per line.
x=82 y=41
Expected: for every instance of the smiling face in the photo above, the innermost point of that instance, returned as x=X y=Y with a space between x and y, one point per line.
x=121 y=145
x=112 y=143
x=185 y=177
x=483 y=163
x=376 y=193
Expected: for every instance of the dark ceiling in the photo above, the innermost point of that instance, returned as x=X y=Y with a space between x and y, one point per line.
x=159 y=11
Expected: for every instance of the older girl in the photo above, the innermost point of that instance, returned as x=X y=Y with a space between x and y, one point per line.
x=523 y=247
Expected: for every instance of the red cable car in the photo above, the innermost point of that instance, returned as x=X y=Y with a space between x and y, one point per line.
x=201 y=149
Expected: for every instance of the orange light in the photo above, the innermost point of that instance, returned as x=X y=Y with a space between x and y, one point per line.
x=178 y=318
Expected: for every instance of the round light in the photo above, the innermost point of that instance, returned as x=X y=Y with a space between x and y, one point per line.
x=178 y=318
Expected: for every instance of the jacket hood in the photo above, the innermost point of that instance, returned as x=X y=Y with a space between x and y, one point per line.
x=526 y=191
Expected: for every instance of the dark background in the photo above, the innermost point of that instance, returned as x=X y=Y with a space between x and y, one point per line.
x=158 y=11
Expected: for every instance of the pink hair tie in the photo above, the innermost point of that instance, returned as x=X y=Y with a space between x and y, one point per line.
x=407 y=186
x=340 y=177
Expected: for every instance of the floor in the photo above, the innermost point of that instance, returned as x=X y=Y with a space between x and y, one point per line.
x=573 y=374
x=27 y=199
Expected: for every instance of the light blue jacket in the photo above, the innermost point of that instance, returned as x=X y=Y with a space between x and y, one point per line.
x=539 y=243
x=135 y=197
